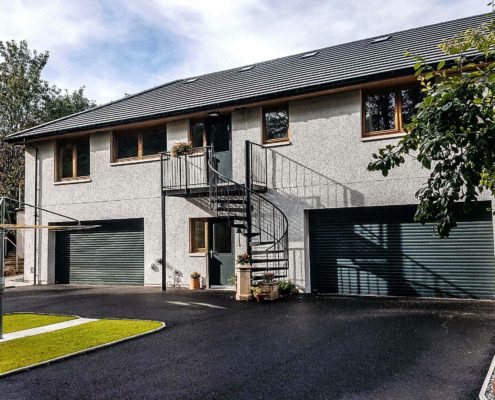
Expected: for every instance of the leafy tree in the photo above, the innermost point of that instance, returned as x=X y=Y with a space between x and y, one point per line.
x=64 y=103
x=27 y=100
x=453 y=132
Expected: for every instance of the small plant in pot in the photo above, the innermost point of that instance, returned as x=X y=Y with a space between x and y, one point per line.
x=195 y=283
x=181 y=148
x=268 y=277
x=257 y=293
x=243 y=259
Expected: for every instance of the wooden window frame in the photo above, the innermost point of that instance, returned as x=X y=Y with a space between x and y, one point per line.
x=270 y=108
x=190 y=132
x=399 y=126
x=192 y=245
x=58 y=165
x=141 y=133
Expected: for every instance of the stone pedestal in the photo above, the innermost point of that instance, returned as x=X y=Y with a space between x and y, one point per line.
x=243 y=286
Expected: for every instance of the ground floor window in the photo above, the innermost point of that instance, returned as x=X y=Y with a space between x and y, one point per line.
x=198 y=235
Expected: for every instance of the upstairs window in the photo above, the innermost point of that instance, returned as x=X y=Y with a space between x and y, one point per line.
x=386 y=111
x=276 y=124
x=139 y=144
x=197 y=133
x=73 y=160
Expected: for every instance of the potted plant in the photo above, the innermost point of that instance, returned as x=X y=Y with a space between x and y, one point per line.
x=257 y=293
x=181 y=148
x=268 y=287
x=195 y=284
x=243 y=259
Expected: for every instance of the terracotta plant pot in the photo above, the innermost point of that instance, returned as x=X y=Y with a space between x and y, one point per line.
x=194 y=284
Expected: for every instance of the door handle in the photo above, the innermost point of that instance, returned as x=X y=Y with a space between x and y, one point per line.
x=211 y=253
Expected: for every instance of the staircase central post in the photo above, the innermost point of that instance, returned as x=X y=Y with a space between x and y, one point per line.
x=248 y=198
x=243 y=272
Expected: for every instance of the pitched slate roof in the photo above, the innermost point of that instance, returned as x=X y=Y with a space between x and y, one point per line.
x=343 y=64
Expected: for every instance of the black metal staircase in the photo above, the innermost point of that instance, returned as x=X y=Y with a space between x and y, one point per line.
x=252 y=214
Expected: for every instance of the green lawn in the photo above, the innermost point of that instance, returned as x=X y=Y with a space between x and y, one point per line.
x=24 y=352
x=19 y=322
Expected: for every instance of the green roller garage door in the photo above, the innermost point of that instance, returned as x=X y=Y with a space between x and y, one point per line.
x=380 y=250
x=112 y=254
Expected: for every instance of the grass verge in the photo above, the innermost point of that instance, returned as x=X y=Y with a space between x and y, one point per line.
x=22 y=321
x=25 y=352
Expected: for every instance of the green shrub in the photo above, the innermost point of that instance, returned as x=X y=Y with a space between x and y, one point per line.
x=286 y=287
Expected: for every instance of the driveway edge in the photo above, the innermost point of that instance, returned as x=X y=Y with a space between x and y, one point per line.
x=487 y=381
x=101 y=346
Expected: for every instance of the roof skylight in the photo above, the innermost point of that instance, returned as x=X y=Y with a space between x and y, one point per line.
x=308 y=55
x=191 y=80
x=246 y=68
x=381 y=39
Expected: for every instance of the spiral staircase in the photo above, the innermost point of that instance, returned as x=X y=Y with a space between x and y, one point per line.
x=248 y=210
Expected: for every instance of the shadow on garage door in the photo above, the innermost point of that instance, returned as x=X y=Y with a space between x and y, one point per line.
x=381 y=250
x=112 y=254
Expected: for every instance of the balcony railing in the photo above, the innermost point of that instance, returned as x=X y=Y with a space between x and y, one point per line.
x=186 y=172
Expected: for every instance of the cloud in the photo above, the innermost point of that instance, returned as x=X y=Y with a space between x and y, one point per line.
x=122 y=47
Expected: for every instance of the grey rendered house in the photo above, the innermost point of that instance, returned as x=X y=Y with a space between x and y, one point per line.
x=278 y=170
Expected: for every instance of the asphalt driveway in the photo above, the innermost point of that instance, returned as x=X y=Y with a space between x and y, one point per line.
x=304 y=348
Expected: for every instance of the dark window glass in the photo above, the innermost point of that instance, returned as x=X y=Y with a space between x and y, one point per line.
x=198 y=233
x=154 y=141
x=222 y=237
x=197 y=134
x=276 y=123
x=410 y=97
x=83 y=157
x=65 y=152
x=380 y=111
x=127 y=144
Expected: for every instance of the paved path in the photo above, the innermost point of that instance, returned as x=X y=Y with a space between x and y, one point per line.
x=45 y=329
x=304 y=348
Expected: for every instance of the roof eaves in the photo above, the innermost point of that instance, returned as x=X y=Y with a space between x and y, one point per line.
x=239 y=102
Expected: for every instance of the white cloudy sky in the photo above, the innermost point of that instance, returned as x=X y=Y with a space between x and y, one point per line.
x=115 y=47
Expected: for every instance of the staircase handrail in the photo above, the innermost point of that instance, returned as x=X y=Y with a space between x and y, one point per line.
x=252 y=192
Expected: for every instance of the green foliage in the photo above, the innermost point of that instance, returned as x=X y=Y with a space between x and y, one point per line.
x=255 y=290
x=286 y=287
x=232 y=280
x=195 y=275
x=180 y=148
x=453 y=132
x=27 y=100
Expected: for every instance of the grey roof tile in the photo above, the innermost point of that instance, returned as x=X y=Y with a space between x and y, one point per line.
x=334 y=66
